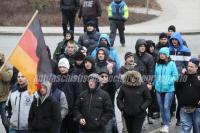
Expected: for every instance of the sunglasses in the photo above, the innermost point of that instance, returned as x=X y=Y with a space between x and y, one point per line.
x=104 y=76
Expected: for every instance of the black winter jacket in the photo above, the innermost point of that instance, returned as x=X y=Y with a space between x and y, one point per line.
x=95 y=107
x=89 y=40
x=144 y=61
x=69 y=5
x=133 y=100
x=45 y=117
x=189 y=91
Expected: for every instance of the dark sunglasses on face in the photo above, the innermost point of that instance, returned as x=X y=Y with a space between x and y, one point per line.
x=104 y=76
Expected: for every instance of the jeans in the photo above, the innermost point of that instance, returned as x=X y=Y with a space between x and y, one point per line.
x=11 y=130
x=165 y=101
x=111 y=126
x=189 y=120
x=3 y=116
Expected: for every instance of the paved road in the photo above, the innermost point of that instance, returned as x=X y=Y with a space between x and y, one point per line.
x=7 y=43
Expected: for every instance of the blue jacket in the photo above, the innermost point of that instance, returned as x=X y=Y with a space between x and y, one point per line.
x=112 y=52
x=165 y=77
x=180 y=55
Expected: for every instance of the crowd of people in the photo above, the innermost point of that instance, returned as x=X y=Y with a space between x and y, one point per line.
x=154 y=82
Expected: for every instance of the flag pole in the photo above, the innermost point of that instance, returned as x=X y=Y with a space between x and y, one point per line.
x=29 y=23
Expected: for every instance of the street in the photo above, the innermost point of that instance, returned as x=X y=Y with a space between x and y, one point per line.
x=7 y=43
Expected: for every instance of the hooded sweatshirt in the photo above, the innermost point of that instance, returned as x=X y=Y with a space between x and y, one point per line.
x=102 y=65
x=180 y=55
x=112 y=52
x=44 y=115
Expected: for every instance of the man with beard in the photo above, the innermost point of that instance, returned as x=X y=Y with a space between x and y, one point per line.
x=163 y=42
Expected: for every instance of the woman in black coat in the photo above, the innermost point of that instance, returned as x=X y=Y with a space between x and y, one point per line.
x=133 y=100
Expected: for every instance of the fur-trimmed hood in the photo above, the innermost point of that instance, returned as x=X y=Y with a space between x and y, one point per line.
x=133 y=74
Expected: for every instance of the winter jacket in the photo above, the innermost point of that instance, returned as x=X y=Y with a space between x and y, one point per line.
x=95 y=107
x=112 y=52
x=118 y=11
x=44 y=117
x=89 y=40
x=165 y=77
x=90 y=9
x=69 y=88
x=189 y=90
x=60 y=97
x=144 y=60
x=18 y=106
x=110 y=88
x=180 y=55
x=133 y=98
x=5 y=77
x=69 y=5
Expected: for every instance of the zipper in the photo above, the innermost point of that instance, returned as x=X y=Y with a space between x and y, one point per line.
x=90 y=102
x=19 y=109
x=161 y=77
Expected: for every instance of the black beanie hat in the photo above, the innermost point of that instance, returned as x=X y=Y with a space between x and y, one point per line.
x=128 y=54
x=79 y=55
x=194 y=61
x=90 y=23
x=172 y=27
x=162 y=35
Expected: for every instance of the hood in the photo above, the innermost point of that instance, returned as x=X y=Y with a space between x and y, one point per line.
x=177 y=36
x=139 y=42
x=90 y=59
x=94 y=76
x=47 y=84
x=105 y=52
x=149 y=43
x=133 y=74
x=106 y=37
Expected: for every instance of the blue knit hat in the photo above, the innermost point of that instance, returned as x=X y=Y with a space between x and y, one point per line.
x=165 y=51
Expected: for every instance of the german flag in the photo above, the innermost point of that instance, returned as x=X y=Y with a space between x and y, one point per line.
x=30 y=56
